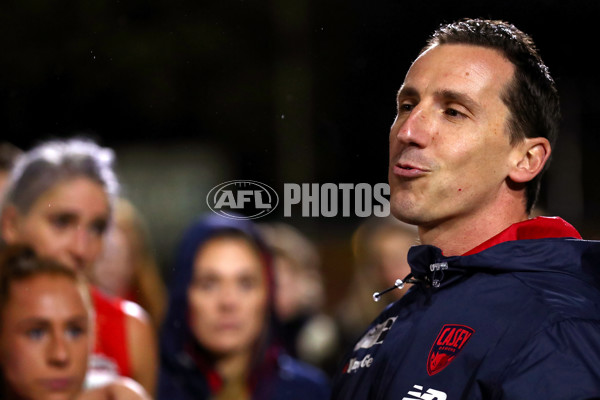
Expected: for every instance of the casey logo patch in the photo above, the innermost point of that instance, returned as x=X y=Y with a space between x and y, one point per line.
x=449 y=342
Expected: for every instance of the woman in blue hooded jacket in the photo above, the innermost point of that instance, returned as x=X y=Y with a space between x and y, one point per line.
x=218 y=340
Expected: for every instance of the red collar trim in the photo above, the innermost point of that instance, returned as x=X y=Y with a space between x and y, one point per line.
x=536 y=228
x=215 y=382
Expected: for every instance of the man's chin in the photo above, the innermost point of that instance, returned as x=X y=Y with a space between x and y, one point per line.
x=404 y=209
x=403 y=214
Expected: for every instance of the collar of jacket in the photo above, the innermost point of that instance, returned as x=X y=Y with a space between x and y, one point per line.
x=428 y=264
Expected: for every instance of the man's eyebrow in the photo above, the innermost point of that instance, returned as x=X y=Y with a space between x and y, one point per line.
x=407 y=91
x=459 y=97
x=445 y=94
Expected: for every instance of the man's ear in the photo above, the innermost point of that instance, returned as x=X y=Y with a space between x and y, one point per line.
x=530 y=157
x=9 y=224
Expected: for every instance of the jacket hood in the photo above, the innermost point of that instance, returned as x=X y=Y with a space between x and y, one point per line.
x=541 y=244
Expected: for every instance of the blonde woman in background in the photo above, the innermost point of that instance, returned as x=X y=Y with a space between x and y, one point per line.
x=380 y=247
x=127 y=267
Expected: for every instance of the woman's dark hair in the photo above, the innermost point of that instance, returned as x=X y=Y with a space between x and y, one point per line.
x=531 y=97
x=18 y=263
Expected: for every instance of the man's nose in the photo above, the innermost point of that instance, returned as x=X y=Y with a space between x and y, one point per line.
x=416 y=128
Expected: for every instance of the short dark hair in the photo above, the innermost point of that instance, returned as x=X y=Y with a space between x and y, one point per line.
x=531 y=97
x=18 y=263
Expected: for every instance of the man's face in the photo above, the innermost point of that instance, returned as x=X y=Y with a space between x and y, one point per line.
x=450 y=149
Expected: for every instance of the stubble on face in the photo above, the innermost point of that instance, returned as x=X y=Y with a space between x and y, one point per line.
x=449 y=145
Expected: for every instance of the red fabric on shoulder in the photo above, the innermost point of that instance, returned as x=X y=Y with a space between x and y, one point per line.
x=111 y=335
x=536 y=228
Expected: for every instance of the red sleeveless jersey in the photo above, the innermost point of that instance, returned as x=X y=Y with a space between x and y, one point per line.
x=110 y=348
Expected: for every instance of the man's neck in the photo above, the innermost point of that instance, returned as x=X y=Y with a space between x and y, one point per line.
x=457 y=236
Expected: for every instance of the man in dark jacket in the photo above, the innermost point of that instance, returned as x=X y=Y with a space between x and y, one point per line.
x=504 y=307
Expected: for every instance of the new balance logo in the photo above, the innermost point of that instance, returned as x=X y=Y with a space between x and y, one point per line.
x=430 y=394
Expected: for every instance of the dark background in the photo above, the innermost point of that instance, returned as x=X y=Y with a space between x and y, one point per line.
x=274 y=91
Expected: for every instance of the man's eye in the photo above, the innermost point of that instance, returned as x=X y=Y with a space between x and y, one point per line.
x=405 y=107
x=453 y=113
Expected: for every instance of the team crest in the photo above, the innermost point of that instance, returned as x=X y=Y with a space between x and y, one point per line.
x=449 y=342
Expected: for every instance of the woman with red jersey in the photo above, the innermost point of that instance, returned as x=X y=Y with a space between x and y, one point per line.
x=58 y=201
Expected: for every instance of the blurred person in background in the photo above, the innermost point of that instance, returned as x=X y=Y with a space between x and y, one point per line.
x=219 y=339
x=58 y=201
x=379 y=247
x=8 y=156
x=307 y=332
x=127 y=267
x=46 y=330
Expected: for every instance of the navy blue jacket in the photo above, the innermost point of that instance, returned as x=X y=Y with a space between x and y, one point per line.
x=517 y=320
